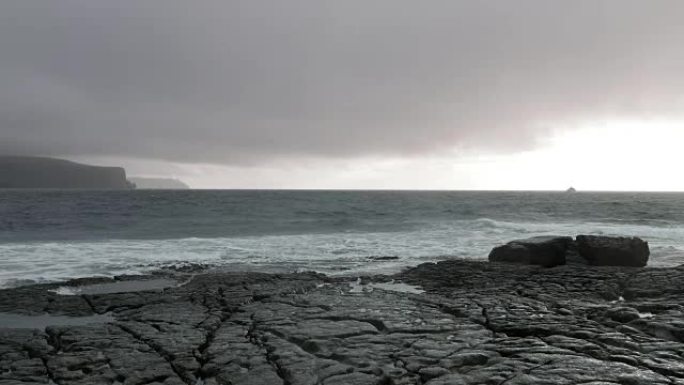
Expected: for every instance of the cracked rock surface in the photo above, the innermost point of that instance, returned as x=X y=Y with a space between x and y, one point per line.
x=477 y=323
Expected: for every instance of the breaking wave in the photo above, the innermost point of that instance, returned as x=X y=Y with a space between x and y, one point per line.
x=54 y=236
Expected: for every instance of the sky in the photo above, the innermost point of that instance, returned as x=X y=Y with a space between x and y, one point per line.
x=353 y=94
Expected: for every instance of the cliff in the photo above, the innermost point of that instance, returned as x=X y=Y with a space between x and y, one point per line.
x=36 y=172
x=158 y=183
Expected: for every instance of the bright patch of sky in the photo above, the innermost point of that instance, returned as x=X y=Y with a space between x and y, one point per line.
x=607 y=155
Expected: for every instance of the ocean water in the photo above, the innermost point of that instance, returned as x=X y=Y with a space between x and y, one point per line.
x=55 y=235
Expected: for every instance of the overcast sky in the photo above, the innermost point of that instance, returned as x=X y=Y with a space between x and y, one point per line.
x=349 y=93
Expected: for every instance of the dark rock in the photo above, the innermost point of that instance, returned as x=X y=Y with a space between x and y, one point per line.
x=623 y=314
x=572 y=256
x=450 y=379
x=613 y=251
x=429 y=373
x=546 y=251
x=470 y=358
x=478 y=323
x=380 y=258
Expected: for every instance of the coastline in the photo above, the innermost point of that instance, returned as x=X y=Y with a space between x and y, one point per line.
x=476 y=323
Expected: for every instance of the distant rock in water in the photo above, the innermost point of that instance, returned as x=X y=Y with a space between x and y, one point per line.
x=38 y=172
x=158 y=183
x=586 y=249
x=571 y=190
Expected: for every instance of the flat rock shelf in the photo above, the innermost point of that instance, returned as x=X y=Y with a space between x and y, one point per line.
x=475 y=323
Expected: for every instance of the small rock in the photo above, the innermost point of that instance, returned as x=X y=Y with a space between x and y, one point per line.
x=470 y=359
x=623 y=314
x=432 y=372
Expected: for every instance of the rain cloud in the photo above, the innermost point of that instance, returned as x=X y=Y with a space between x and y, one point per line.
x=252 y=82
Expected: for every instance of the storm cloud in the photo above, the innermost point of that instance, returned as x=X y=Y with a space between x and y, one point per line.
x=245 y=82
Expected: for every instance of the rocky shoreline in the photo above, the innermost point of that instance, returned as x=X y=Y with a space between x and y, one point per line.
x=475 y=323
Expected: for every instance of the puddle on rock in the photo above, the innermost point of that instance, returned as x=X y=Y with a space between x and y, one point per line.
x=22 y=321
x=399 y=287
x=117 y=287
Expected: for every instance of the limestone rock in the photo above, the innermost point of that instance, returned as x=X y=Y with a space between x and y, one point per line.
x=613 y=251
x=545 y=251
x=477 y=323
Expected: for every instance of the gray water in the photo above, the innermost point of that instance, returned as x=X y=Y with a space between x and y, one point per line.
x=55 y=235
x=21 y=321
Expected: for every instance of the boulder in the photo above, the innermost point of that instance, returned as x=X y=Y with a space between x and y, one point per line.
x=546 y=251
x=613 y=251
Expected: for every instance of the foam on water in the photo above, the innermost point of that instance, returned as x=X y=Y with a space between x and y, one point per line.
x=398 y=287
x=346 y=253
x=117 y=287
x=56 y=235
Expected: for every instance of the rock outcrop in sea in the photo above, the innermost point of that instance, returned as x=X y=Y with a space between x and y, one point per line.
x=474 y=323
x=594 y=250
x=544 y=251
x=613 y=251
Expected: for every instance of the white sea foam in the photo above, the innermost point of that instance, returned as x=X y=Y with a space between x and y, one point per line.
x=348 y=253
x=124 y=286
x=66 y=290
x=399 y=287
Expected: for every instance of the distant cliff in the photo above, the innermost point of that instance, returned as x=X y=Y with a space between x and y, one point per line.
x=158 y=183
x=35 y=172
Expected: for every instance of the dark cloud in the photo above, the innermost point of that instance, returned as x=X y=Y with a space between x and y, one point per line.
x=249 y=81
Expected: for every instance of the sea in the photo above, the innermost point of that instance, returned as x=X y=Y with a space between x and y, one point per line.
x=54 y=235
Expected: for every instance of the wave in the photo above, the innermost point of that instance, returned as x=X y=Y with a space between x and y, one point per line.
x=332 y=253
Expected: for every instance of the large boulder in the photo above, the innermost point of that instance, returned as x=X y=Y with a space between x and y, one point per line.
x=546 y=251
x=613 y=251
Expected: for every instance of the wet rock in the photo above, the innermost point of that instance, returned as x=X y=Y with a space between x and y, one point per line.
x=477 y=323
x=450 y=379
x=353 y=379
x=429 y=373
x=380 y=258
x=473 y=358
x=623 y=314
x=613 y=251
x=545 y=251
